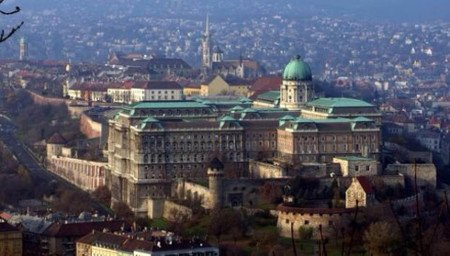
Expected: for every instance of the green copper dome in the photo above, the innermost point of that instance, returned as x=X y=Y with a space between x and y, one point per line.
x=297 y=70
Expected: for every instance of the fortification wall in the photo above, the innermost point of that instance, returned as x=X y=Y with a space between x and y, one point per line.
x=410 y=156
x=41 y=100
x=426 y=173
x=87 y=175
x=331 y=220
x=90 y=128
x=173 y=211
x=264 y=170
x=77 y=110
x=195 y=191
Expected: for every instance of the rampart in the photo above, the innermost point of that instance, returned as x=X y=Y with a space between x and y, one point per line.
x=87 y=175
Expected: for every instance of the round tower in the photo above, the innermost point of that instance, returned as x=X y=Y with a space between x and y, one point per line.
x=215 y=178
x=296 y=88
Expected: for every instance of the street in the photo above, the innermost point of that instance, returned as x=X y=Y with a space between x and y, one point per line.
x=38 y=174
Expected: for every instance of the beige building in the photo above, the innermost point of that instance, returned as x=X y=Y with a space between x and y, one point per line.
x=358 y=166
x=219 y=85
x=192 y=90
x=60 y=238
x=140 y=244
x=90 y=91
x=320 y=140
x=10 y=239
x=120 y=94
x=360 y=193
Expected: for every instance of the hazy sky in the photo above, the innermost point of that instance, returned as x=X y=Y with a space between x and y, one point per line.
x=374 y=10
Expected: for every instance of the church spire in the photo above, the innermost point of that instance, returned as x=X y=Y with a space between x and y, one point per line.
x=207 y=26
x=206 y=47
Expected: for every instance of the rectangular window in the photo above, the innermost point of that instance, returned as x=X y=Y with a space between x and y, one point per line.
x=306 y=222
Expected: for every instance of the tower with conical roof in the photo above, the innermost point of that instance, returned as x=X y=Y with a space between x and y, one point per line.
x=215 y=179
x=296 y=88
x=206 y=47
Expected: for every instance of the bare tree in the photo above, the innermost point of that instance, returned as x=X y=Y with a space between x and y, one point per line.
x=103 y=195
x=8 y=33
x=382 y=238
x=123 y=211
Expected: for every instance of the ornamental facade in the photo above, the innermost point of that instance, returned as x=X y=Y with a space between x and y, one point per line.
x=152 y=144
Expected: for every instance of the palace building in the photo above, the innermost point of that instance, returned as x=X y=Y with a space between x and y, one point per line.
x=151 y=144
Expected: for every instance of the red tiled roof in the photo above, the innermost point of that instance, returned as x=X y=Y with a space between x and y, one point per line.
x=233 y=81
x=193 y=86
x=81 y=229
x=96 y=236
x=57 y=139
x=158 y=85
x=266 y=83
x=365 y=184
x=401 y=117
x=132 y=244
x=92 y=86
x=5 y=216
x=284 y=208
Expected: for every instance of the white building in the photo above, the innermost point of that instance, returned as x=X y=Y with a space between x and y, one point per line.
x=156 y=91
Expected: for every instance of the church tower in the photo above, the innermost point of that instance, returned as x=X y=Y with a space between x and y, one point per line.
x=217 y=55
x=23 y=48
x=206 y=47
x=296 y=88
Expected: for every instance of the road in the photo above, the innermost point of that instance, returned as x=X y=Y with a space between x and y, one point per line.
x=37 y=172
x=20 y=152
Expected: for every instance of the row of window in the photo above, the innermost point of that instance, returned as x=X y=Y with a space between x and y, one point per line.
x=193 y=158
x=306 y=222
x=333 y=138
x=178 y=138
x=209 y=146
